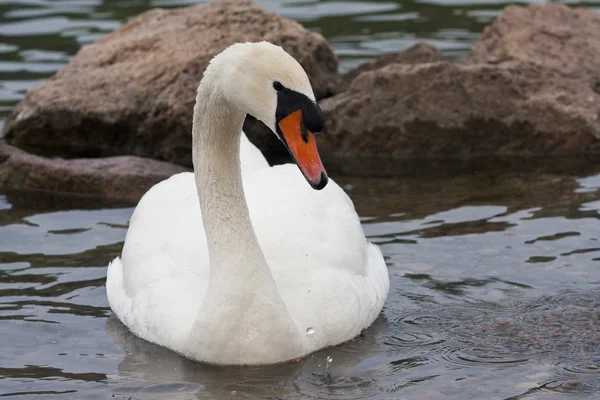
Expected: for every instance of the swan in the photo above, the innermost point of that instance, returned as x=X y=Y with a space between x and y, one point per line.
x=255 y=269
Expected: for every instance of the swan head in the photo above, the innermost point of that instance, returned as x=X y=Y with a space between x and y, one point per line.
x=262 y=80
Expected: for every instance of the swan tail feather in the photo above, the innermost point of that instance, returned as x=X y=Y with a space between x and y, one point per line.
x=378 y=272
x=118 y=300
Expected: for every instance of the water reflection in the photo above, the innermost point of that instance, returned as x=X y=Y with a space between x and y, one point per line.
x=348 y=377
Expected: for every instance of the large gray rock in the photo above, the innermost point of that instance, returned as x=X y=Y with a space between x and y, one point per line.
x=132 y=92
x=504 y=102
x=123 y=177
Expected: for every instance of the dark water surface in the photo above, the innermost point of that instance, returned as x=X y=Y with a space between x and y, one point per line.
x=495 y=276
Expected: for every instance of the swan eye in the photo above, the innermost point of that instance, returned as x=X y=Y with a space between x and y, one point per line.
x=277 y=86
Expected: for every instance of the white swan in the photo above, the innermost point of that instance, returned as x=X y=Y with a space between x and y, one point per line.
x=222 y=282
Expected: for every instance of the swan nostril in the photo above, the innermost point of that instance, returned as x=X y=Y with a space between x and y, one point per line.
x=304 y=132
x=310 y=331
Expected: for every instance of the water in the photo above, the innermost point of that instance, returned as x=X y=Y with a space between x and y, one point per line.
x=495 y=292
x=495 y=278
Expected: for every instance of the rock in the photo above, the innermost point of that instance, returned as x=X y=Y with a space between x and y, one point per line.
x=450 y=110
x=419 y=53
x=531 y=87
x=123 y=177
x=553 y=36
x=132 y=92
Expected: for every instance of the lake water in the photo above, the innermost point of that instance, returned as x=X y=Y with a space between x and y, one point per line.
x=495 y=275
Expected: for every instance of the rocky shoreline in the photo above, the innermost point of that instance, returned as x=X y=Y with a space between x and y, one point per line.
x=122 y=107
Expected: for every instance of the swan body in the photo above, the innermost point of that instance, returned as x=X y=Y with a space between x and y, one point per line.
x=251 y=158
x=254 y=270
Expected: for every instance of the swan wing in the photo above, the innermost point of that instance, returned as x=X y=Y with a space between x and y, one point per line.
x=332 y=280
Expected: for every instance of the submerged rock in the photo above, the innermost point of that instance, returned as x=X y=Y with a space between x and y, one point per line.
x=132 y=92
x=531 y=87
x=123 y=177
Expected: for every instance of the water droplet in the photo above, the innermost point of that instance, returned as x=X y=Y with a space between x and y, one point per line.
x=328 y=361
x=310 y=331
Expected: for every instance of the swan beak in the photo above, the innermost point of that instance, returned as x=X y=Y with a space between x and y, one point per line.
x=302 y=146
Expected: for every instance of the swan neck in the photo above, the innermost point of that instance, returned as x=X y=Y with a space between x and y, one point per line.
x=242 y=299
x=230 y=236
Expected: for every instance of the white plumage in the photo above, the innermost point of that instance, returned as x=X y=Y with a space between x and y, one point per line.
x=219 y=302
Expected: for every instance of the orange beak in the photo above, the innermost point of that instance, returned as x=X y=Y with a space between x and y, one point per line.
x=303 y=147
